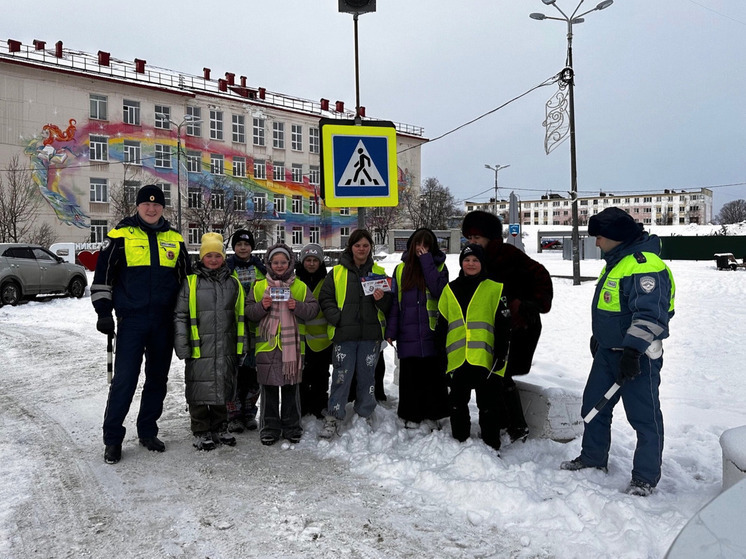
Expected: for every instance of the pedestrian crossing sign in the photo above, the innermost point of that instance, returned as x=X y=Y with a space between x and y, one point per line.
x=359 y=164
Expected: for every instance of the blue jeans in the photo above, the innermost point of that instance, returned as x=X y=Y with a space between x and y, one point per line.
x=348 y=359
x=152 y=334
x=642 y=406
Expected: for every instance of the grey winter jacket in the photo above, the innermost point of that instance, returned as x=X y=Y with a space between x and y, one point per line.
x=358 y=318
x=211 y=379
x=269 y=363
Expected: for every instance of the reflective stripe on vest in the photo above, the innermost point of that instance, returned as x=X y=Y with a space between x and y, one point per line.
x=298 y=291
x=238 y=309
x=472 y=340
x=137 y=246
x=431 y=303
x=608 y=298
x=317 y=336
x=340 y=288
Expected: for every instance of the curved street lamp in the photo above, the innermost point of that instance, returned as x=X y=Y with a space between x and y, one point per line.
x=568 y=76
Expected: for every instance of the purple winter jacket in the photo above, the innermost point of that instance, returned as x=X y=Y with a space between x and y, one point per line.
x=407 y=322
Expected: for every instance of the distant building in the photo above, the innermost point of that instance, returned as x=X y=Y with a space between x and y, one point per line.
x=670 y=207
x=88 y=124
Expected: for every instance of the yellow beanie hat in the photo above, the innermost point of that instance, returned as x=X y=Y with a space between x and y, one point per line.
x=211 y=242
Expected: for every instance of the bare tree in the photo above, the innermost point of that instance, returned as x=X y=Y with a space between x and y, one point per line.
x=43 y=235
x=381 y=220
x=123 y=195
x=732 y=212
x=433 y=207
x=19 y=201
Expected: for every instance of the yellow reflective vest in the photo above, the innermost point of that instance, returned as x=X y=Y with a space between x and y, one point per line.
x=194 y=339
x=340 y=288
x=317 y=336
x=472 y=339
x=137 y=246
x=298 y=291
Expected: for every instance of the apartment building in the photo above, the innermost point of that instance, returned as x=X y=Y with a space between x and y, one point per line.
x=90 y=127
x=670 y=207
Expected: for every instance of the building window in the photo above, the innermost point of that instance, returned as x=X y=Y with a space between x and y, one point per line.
x=297 y=236
x=260 y=169
x=194 y=161
x=99 y=190
x=313 y=140
x=163 y=117
x=216 y=125
x=194 y=197
x=278 y=135
x=217 y=164
x=98 y=230
x=279 y=171
x=130 y=191
x=166 y=188
x=344 y=211
x=162 y=156
x=258 y=132
x=239 y=129
x=98 y=110
x=314 y=175
x=217 y=199
x=314 y=234
x=297 y=207
x=194 y=121
x=647 y=200
x=344 y=231
x=195 y=234
x=313 y=207
x=239 y=166
x=239 y=200
x=296 y=137
x=280 y=234
x=279 y=203
x=131 y=112
x=98 y=148
x=260 y=203
x=297 y=172
x=131 y=152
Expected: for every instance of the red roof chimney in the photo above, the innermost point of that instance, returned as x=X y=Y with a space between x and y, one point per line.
x=13 y=45
x=58 y=49
x=103 y=58
x=139 y=66
x=206 y=73
x=39 y=45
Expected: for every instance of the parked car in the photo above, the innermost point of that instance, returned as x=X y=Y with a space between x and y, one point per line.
x=30 y=270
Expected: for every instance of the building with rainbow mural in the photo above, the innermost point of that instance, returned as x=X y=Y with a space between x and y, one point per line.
x=85 y=125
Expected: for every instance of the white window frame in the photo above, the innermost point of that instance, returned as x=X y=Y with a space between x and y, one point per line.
x=314 y=140
x=314 y=175
x=278 y=135
x=260 y=203
x=216 y=124
x=239 y=129
x=314 y=207
x=194 y=197
x=296 y=137
x=280 y=203
x=99 y=190
x=297 y=205
x=98 y=148
x=131 y=152
x=131 y=112
x=99 y=229
x=194 y=122
x=344 y=231
x=162 y=157
x=162 y=117
x=280 y=234
x=260 y=169
x=217 y=199
x=98 y=106
x=314 y=234
x=278 y=171
x=296 y=171
x=217 y=164
x=297 y=238
x=344 y=211
x=194 y=161
x=239 y=167
x=258 y=133
x=166 y=188
x=239 y=200
x=195 y=235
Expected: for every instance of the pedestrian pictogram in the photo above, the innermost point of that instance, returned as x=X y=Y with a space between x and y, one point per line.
x=361 y=170
x=359 y=165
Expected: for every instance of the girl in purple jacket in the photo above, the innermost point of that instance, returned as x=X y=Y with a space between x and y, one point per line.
x=417 y=284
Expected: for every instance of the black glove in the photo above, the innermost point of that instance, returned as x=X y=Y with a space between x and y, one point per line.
x=594 y=345
x=629 y=367
x=530 y=312
x=105 y=324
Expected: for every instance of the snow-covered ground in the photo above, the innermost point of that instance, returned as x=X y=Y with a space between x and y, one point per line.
x=385 y=493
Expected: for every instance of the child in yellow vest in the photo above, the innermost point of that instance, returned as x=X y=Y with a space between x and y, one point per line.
x=276 y=303
x=475 y=321
x=210 y=335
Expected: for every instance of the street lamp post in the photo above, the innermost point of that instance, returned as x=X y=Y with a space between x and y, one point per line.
x=568 y=76
x=188 y=119
x=496 y=168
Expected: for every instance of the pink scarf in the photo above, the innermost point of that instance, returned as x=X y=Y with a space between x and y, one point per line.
x=282 y=318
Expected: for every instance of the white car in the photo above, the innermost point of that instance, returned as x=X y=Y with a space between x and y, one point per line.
x=30 y=270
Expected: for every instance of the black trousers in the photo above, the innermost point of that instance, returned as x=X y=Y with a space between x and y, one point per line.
x=314 y=388
x=487 y=387
x=423 y=391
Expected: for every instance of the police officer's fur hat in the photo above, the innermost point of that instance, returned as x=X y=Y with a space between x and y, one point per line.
x=483 y=224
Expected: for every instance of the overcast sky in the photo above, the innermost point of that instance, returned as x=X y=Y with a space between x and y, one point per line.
x=660 y=96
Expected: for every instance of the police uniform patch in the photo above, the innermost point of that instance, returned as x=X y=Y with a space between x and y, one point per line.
x=170 y=254
x=607 y=297
x=647 y=283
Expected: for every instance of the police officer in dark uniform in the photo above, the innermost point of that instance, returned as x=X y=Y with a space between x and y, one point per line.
x=140 y=268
